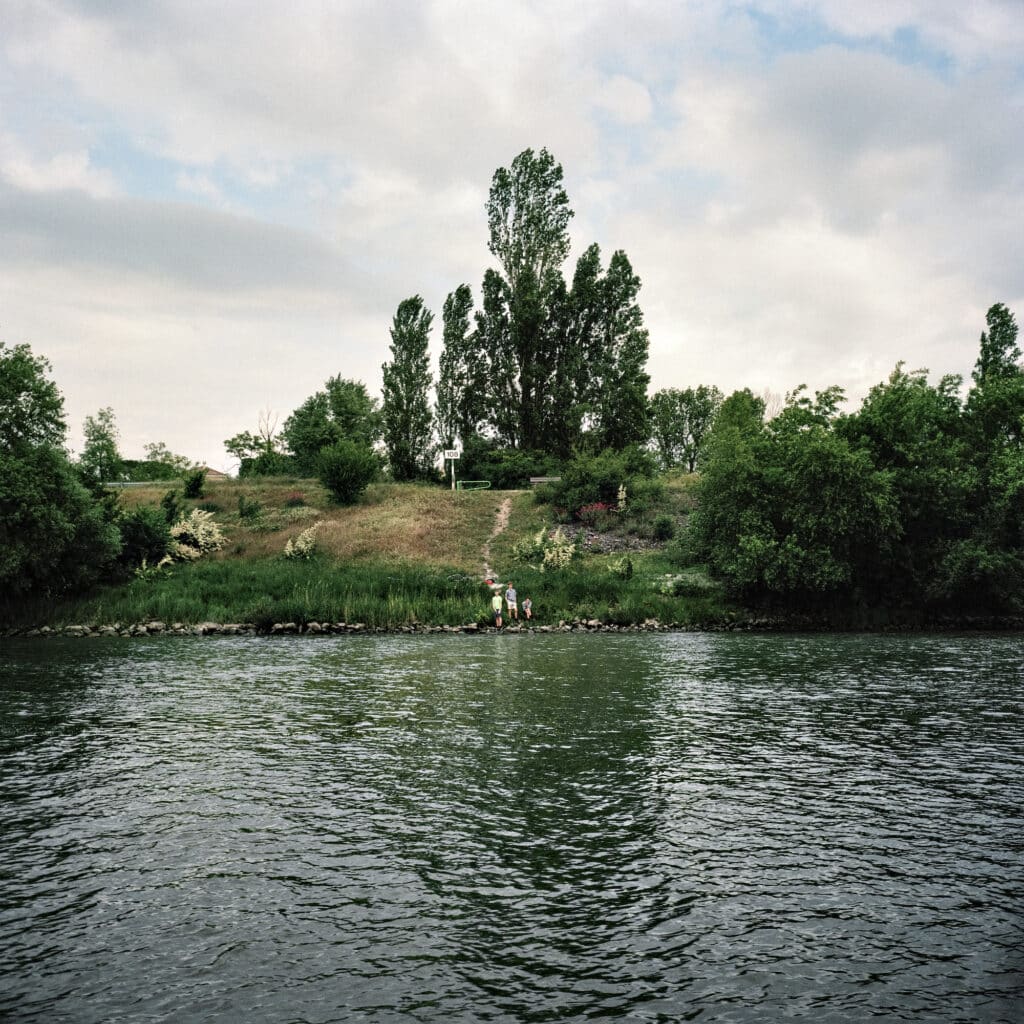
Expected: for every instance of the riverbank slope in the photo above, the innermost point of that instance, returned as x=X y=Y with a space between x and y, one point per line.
x=406 y=557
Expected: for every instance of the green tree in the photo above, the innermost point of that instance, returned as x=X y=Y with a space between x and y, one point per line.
x=985 y=568
x=308 y=429
x=346 y=468
x=998 y=354
x=356 y=415
x=53 y=535
x=787 y=509
x=100 y=460
x=681 y=421
x=408 y=423
x=157 y=451
x=31 y=406
x=528 y=216
x=561 y=362
x=342 y=411
x=912 y=432
x=620 y=379
x=461 y=387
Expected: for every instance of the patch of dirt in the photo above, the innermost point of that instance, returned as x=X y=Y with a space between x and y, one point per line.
x=500 y=525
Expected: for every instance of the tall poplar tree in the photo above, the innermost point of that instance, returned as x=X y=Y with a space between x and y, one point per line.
x=408 y=422
x=620 y=399
x=461 y=380
x=549 y=363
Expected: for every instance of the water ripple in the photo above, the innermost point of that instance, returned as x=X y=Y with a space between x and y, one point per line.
x=512 y=829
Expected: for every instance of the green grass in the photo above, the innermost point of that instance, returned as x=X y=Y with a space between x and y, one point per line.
x=382 y=594
x=404 y=555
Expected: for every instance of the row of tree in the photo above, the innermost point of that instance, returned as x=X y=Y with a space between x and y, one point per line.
x=915 y=501
x=540 y=366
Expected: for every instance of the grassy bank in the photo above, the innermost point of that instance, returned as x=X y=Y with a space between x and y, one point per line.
x=382 y=594
x=405 y=555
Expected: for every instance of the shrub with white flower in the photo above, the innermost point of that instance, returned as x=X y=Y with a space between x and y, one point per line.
x=622 y=567
x=148 y=573
x=530 y=548
x=195 y=535
x=304 y=545
x=559 y=551
x=621 y=503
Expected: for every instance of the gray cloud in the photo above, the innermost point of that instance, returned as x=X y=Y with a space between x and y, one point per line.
x=189 y=246
x=804 y=216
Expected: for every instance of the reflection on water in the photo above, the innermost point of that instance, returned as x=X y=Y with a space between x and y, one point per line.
x=729 y=828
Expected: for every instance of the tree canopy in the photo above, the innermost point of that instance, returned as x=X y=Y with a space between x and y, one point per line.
x=544 y=366
x=343 y=410
x=406 y=414
x=53 y=534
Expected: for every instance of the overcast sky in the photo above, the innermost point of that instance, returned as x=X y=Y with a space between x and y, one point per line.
x=206 y=210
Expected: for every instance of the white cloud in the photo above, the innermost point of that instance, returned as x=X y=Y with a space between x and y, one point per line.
x=811 y=215
x=625 y=99
x=196 y=183
x=62 y=170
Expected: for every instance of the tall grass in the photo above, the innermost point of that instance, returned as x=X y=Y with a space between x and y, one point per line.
x=380 y=594
x=404 y=555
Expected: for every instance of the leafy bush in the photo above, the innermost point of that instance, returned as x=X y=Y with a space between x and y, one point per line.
x=691 y=583
x=664 y=528
x=506 y=468
x=589 y=479
x=622 y=568
x=171 y=506
x=642 y=495
x=346 y=469
x=54 y=536
x=559 y=551
x=532 y=548
x=596 y=514
x=249 y=509
x=150 y=573
x=194 y=482
x=268 y=463
x=680 y=552
x=145 y=536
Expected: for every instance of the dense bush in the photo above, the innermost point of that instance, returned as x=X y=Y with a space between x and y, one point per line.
x=664 y=528
x=612 y=479
x=53 y=535
x=194 y=481
x=145 y=534
x=346 y=469
x=171 y=507
x=269 y=463
x=145 y=470
x=506 y=468
x=249 y=509
x=912 y=503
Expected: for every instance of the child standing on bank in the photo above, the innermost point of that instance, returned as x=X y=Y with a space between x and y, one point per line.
x=512 y=600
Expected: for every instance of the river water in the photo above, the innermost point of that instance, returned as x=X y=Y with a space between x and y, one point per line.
x=512 y=828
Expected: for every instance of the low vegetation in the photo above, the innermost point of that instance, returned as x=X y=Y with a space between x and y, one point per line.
x=406 y=554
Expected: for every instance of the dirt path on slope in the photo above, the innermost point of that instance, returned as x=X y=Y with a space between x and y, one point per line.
x=500 y=524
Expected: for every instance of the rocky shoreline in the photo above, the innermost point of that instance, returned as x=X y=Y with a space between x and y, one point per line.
x=762 y=624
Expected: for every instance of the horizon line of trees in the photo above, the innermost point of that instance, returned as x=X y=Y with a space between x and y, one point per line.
x=916 y=497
